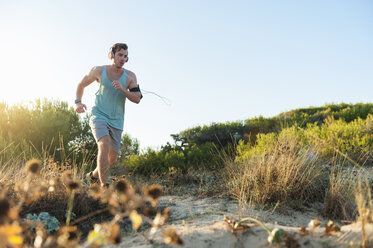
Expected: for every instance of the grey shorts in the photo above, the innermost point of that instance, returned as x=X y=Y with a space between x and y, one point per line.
x=101 y=129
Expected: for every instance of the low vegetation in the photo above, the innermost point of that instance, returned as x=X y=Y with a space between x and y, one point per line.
x=318 y=155
x=42 y=206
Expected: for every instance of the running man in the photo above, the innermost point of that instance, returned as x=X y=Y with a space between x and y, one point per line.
x=116 y=84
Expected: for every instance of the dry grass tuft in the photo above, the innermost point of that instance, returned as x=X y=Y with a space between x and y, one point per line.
x=364 y=203
x=339 y=201
x=286 y=173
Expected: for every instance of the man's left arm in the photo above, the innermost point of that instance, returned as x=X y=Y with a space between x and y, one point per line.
x=132 y=92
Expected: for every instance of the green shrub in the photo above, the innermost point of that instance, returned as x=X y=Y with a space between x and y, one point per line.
x=202 y=156
x=43 y=126
x=222 y=134
x=160 y=162
x=354 y=139
x=147 y=163
x=51 y=224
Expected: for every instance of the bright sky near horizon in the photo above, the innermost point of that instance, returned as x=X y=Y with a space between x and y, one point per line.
x=215 y=60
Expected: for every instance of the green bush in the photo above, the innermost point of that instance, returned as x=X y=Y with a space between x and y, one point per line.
x=41 y=129
x=202 y=156
x=317 y=128
x=222 y=134
x=170 y=158
x=353 y=139
x=129 y=146
x=157 y=162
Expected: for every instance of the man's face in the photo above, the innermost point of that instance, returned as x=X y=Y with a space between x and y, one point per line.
x=120 y=57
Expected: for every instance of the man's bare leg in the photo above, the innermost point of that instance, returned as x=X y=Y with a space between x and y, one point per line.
x=112 y=157
x=101 y=160
x=102 y=168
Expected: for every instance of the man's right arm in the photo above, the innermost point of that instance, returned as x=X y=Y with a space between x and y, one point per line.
x=92 y=76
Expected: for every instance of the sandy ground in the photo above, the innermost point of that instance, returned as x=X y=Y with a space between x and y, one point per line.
x=200 y=223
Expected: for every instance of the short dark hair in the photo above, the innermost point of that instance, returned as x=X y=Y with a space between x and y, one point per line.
x=116 y=47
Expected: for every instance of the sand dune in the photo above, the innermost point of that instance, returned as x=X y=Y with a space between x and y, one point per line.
x=200 y=223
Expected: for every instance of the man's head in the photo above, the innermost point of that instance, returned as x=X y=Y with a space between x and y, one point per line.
x=119 y=54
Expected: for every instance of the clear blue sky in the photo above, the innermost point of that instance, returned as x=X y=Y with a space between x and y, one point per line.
x=216 y=61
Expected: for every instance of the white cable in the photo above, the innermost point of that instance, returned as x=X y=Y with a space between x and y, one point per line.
x=164 y=99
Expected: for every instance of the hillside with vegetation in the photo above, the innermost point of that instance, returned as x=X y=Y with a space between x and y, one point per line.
x=317 y=158
x=343 y=127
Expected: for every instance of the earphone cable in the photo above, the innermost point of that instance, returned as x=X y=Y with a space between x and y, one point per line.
x=164 y=99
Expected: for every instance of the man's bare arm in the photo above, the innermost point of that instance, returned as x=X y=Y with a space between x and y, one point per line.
x=92 y=76
x=132 y=83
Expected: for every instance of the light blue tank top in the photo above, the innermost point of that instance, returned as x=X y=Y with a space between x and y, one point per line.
x=109 y=103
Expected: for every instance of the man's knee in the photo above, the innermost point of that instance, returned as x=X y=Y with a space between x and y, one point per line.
x=103 y=143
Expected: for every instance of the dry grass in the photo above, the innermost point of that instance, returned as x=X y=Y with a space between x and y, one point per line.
x=364 y=203
x=46 y=186
x=291 y=174
x=284 y=174
x=339 y=201
x=195 y=182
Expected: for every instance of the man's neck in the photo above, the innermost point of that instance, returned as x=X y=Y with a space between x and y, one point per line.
x=116 y=68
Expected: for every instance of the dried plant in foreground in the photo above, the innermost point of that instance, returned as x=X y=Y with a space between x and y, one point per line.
x=275 y=236
x=364 y=203
x=44 y=188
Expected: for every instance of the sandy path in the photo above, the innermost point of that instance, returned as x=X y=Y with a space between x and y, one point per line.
x=200 y=223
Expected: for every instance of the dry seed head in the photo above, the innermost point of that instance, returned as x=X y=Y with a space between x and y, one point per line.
x=158 y=220
x=72 y=184
x=113 y=201
x=121 y=186
x=290 y=240
x=68 y=235
x=67 y=175
x=33 y=166
x=150 y=211
x=115 y=178
x=154 y=191
x=115 y=236
x=166 y=213
x=136 y=220
x=330 y=228
x=303 y=231
x=4 y=208
x=314 y=224
x=95 y=188
x=13 y=235
x=171 y=237
x=50 y=242
x=115 y=239
x=14 y=212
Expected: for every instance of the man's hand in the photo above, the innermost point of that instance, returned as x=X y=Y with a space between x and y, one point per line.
x=117 y=85
x=80 y=107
